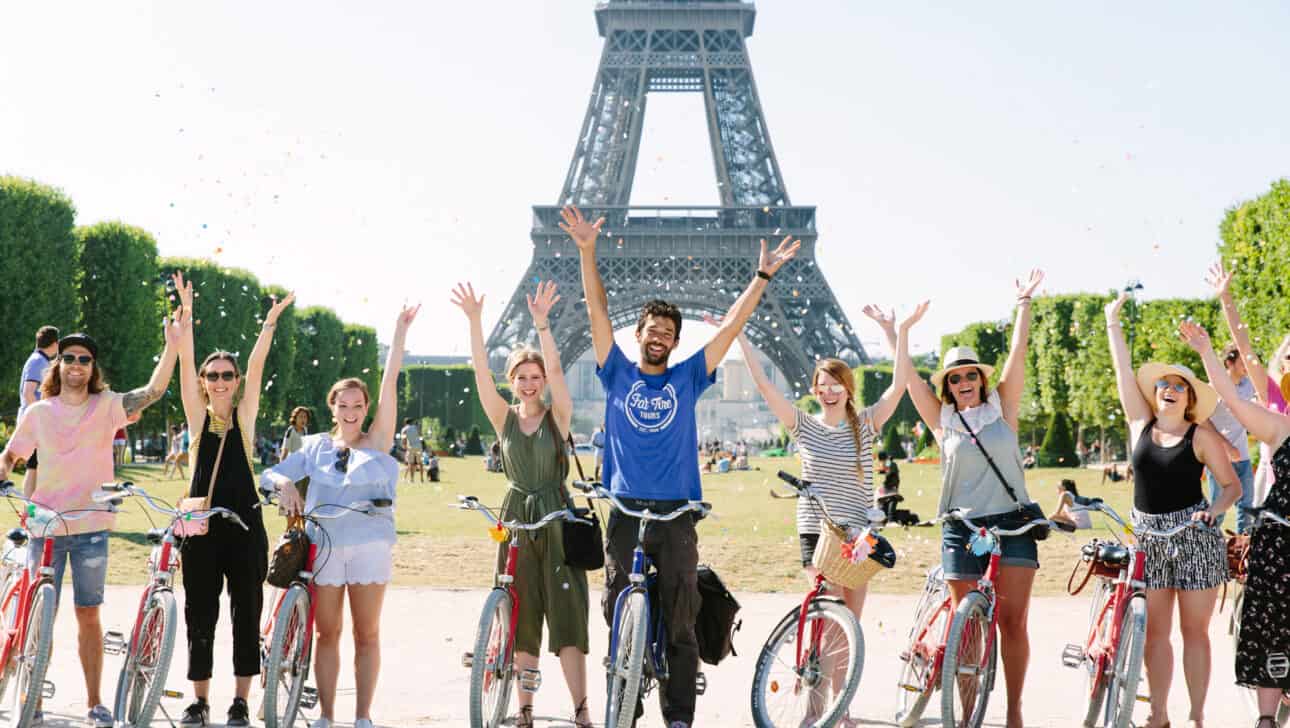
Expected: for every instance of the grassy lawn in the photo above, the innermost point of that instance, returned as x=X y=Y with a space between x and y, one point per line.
x=752 y=542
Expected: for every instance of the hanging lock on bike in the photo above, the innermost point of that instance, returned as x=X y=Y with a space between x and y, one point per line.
x=172 y=694
x=47 y=690
x=309 y=697
x=530 y=680
x=700 y=684
x=1072 y=656
x=114 y=642
x=467 y=660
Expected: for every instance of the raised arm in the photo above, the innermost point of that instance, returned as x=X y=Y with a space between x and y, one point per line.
x=901 y=370
x=463 y=297
x=1265 y=425
x=249 y=406
x=1221 y=281
x=137 y=400
x=1012 y=382
x=784 y=410
x=925 y=400
x=190 y=389
x=1136 y=408
x=384 y=422
x=768 y=263
x=584 y=235
x=540 y=305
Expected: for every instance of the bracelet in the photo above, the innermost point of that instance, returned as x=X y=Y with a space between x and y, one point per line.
x=267 y=325
x=764 y=275
x=1023 y=299
x=541 y=328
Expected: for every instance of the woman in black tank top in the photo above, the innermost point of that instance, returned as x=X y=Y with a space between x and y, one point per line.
x=1164 y=404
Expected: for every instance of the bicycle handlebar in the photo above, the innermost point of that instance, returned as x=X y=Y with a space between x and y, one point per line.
x=40 y=510
x=596 y=490
x=471 y=503
x=115 y=492
x=1261 y=514
x=875 y=516
x=958 y=514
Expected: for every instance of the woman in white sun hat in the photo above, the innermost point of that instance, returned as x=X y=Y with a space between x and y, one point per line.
x=1164 y=404
x=969 y=420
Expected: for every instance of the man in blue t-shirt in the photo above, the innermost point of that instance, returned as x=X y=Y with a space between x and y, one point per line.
x=652 y=448
x=33 y=371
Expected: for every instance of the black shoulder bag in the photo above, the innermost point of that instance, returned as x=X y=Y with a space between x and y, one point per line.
x=1030 y=511
x=584 y=545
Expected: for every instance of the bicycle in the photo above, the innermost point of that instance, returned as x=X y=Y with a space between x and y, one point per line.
x=286 y=639
x=821 y=637
x=491 y=662
x=27 y=606
x=633 y=630
x=971 y=650
x=142 y=681
x=920 y=675
x=1250 y=695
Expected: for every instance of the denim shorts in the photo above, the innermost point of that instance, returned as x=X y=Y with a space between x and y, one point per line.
x=960 y=564
x=88 y=553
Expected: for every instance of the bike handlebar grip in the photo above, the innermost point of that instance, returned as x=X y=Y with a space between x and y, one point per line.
x=6 y=484
x=791 y=479
x=1083 y=500
x=382 y=502
x=235 y=519
x=584 y=486
x=1064 y=526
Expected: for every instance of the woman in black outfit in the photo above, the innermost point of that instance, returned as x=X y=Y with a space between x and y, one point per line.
x=1263 y=645
x=221 y=465
x=1164 y=404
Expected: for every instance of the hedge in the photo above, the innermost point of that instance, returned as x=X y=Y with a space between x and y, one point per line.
x=1256 y=240
x=320 y=359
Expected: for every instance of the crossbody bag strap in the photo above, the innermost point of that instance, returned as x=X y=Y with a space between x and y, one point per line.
x=210 y=486
x=1011 y=493
x=581 y=476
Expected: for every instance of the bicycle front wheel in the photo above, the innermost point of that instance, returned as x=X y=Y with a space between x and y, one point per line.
x=968 y=673
x=491 y=670
x=147 y=663
x=1122 y=693
x=33 y=660
x=9 y=604
x=628 y=664
x=1093 y=667
x=286 y=662
x=918 y=675
x=815 y=691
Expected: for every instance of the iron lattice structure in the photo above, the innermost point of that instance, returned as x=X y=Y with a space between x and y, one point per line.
x=699 y=258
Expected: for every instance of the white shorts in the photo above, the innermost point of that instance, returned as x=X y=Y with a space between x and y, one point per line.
x=368 y=563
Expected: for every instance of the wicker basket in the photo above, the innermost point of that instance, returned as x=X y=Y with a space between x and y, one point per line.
x=834 y=566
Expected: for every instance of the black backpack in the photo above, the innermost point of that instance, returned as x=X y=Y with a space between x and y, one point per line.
x=716 y=624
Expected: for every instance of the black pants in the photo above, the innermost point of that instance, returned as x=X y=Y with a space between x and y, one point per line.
x=674 y=548
x=226 y=554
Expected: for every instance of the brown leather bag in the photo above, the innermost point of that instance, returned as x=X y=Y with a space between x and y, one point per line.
x=1090 y=554
x=1238 y=555
x=289 y=556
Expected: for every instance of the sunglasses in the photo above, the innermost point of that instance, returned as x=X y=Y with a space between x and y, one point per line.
x=82 y=359
x=1179 y=388
x=830 y=388
x=342 y=460
x=971 y=376
x=226 y=375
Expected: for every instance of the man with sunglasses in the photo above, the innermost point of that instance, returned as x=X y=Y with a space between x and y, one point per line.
x=72 y=426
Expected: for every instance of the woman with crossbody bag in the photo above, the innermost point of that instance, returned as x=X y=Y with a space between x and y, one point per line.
x=219 y=552
x=976 y=428
x=536 y=464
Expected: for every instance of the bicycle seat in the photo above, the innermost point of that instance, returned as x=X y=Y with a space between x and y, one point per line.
x=17 y=536
x=1113 y=554
x=155 y=535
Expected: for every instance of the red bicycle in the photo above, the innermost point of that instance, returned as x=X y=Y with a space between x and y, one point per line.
x=920 y=673
x=491 y=663
x=142 y=682
x=27 y=603
x=1110 y=658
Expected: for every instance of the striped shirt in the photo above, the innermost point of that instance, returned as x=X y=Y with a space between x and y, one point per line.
x=829 y=464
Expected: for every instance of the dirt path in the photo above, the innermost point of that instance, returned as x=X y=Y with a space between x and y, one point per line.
x=426 y=630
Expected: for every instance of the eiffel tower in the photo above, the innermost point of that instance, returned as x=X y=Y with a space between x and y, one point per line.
x=699 y=258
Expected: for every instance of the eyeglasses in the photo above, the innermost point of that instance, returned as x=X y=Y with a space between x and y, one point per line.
x=830 y=388
x=342 y=460
x=226 y=375
x=83 y=359
x=971 y=376
x=1179 y=387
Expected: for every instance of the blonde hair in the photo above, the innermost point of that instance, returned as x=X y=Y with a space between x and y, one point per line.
x=341 y=386
x=839 y=370
x=522 y=356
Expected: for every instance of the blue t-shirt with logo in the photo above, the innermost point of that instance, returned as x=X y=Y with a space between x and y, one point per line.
x=651 y=439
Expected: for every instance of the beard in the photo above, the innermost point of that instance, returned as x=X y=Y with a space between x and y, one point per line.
x=654 y=361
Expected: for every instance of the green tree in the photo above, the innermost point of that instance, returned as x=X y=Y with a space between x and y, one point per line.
x=988 y=338
x=474 y=444
x=1256 y=242
x=320 y=359
x=362 y=356
x=38 y=259
x=891 y=442
x=226 y=306
x=1058 y=448
x=280 y=365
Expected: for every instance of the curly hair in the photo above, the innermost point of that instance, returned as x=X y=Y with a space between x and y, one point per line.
x=659 y=309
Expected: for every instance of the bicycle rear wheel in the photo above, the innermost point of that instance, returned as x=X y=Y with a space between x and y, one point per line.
x=491 y=670
x=918 y=676
x=33 y=659
x=967 y=676
x=1122 y=692
x=625 y=670
x=816 y=693
x=9 y=603
x=286 y=660
x=1093 y=668
x=143 y=676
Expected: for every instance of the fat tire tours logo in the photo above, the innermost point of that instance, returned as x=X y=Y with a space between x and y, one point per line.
x=651 y=410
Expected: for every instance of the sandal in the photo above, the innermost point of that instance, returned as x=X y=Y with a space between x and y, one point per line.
x=582 y=708
x=524 y=719
x=1269 y=719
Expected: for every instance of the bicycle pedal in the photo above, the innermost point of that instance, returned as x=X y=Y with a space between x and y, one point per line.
x=1144 y=698
x=47 y=690
x=1072 y=656
x=910 y=688
x=309 y=698
x=530 y=680
x=174 y=694
x=700 y=684
x=467 y=659
x=114 y=643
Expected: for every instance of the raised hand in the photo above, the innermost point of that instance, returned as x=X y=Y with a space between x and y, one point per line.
x=1113 y=308
x=1026 y=288
x=541 y=302
x=771 y=261
x=887 y=321
x=1194 y=335
x=184 y=289
x=464 y=298
x=277 y=308
x=584 y=234
x=1219 y=279
x=406 y=317
x=915 y=316
x=174 y=328
x=714 y=321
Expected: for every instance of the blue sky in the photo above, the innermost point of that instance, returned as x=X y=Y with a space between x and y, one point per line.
x=368 y=157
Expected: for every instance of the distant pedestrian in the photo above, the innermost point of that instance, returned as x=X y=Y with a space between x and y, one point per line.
x=33 y=371
x=411 y=435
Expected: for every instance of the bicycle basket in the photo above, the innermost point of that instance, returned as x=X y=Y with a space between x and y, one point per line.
x=832 y=561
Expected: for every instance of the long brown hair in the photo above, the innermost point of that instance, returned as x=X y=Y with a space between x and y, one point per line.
x=51 y=385
x=527 y=355
x=341 y=386
x=214 y=356
x=948 y=397
x=839 y=370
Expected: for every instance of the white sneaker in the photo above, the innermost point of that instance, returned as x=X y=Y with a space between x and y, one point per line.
x=321 y=723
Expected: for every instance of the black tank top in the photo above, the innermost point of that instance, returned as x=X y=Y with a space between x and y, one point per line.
x=235 y=481
x=1166 y=479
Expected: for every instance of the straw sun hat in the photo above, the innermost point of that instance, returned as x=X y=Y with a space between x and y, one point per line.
x=960 y=357
x=1206 y=397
